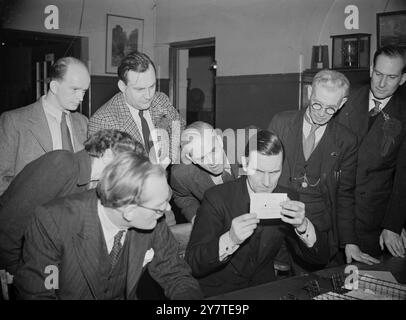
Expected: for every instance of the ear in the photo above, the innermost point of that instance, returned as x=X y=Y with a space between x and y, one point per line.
x=121 y=85
x=309 y=92
x=371 y=69
x=127 y=214
x=403 y=79
x=53 y=86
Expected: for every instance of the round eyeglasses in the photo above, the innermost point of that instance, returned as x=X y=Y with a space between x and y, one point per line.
x=329 y=110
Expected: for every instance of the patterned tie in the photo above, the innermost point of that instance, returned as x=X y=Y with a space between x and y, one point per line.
x=65 y=134
x=373 y=113
x=115 y=251
x=309 y=142
x=148 y=144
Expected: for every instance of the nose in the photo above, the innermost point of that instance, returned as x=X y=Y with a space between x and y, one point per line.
x=80 y=95
x=267 y=179
x=382 y=82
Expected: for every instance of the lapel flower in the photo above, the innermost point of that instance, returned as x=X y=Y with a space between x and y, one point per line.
x=164 y=123
x=391 y=129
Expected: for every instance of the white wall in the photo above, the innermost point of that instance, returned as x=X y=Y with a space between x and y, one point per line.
x=261 y=36
x=29 y=15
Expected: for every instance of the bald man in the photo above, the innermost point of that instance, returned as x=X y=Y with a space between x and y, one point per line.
x=48 y=124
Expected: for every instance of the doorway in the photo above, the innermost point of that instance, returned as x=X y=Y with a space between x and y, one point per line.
x=25 y=59
x=192 y=79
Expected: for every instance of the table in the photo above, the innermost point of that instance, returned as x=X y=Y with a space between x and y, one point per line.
x=296 y=285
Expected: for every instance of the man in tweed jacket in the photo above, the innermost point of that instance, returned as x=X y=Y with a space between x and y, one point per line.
x=137 y=84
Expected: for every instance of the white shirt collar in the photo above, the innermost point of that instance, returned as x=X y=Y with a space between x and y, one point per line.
x=109 y=228
x=371 y=104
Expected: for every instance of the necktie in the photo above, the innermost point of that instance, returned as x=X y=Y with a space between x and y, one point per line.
x=373 y=113
x=309 y=142
x=115 y=251
x=148 y=144
x=65 y=134
x=225 y=176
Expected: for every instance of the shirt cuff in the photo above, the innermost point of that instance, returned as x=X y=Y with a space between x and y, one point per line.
x=309 y=237
x=226 y=246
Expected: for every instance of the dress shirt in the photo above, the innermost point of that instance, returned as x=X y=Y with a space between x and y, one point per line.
x=54 y=118
x=383 y=102
x=307 y=127
x=109 y=229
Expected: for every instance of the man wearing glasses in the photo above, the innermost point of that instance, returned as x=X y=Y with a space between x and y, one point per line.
x=320 y=163
x=376 y=113
x=95 y=245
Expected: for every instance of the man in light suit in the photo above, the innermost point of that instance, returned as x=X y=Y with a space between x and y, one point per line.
x=48 y=124
x=204 y=165
x=101 y=242
x=148 y=116
x=55 y=174
x=376 y=113
x=320 y=164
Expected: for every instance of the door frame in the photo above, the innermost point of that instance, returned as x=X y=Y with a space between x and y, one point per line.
x=174 y=49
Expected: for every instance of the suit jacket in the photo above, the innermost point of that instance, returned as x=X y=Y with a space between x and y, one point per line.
x=252 y=263
x=337 y=173
x=114 y=114
x=66 y=233
x=189 y=183
x=381 y=173
x=55 y=174
x=25 y=136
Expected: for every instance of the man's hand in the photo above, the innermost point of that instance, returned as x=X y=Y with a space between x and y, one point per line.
x=352 y=251
x=243 y=227
x=393 y=242
x=293 y=212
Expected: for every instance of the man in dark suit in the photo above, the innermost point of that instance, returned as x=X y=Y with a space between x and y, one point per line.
x=148 y=116
x=95 y=245
x=320 y=163
x=55 y=174
x=204 y=165
x=229 y=248
x=377 y=115
x=48 y=124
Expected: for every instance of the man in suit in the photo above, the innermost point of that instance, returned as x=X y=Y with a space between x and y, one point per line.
x=55 y=174
x=320 y=163
x=376 y=113
x=139 y=110
x=204 y=165
x=229 y=248
x=95 y=245
x=48 y=124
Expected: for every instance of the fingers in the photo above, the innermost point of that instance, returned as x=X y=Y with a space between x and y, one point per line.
x=349 y=257
x=381 y=242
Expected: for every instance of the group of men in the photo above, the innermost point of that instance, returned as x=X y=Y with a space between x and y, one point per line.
x=97 y=214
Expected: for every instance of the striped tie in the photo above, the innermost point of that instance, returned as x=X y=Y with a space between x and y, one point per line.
x=115 y=251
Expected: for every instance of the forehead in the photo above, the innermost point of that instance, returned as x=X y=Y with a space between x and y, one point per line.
x=264 y=162
x=205 y=142
x=327 y=95
x=155 y=189
x=141 y=79
x=77 y=75
x=389 y=65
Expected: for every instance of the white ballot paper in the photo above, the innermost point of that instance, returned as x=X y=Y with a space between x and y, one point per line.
x=267 y=205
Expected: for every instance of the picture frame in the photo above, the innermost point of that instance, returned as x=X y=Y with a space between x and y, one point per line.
x=391 y=28
x=123 y=35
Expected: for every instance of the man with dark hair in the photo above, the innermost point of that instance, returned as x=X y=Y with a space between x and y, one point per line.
x=229 y=247
x=320 y=164
x=147 y=115
x=55 y=174
x=48 y=124
x=376 y=113
x=98 y=244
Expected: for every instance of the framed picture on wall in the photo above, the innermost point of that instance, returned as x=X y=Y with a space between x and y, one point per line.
x=123 y=35
x=391 y=28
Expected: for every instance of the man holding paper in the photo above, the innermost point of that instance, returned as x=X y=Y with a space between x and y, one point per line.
x=230 y=248
x=320 y=163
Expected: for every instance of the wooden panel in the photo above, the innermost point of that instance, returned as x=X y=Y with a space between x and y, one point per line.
x=254 y=100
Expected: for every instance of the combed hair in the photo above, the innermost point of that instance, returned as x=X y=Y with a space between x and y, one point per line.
x=60 y=67
x=265 y=142
x=117 y=141
x=333 y=79
x=392 y=51
x=122 y=181
x=134 y=61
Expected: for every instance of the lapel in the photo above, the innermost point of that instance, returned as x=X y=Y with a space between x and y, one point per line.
x=356 y=116
x=330 y=151
x=125 y=119
x=39 y=126
x=87 y=243
x=76 y=132
x=293 y=139
x=155 y=112
x=138 y=245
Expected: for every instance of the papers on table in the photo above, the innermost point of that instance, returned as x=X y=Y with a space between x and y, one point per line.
x=267 y=205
